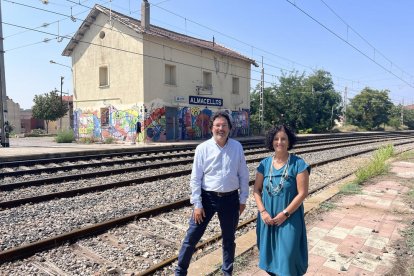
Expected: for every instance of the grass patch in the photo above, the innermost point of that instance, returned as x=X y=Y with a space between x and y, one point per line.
x=65 y=136
x=327 y=206
x=350 y=189
x=375 y=167
x=406 y=155
x=88 y=140
x=109 y=140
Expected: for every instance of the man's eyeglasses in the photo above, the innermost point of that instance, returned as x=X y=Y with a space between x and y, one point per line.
x=218 y=126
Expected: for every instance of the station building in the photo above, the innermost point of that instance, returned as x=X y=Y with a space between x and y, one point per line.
x=134 y=81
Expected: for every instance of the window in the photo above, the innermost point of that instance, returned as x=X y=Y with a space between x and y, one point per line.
x=104 y=116
x=235 y=86
x=170 y=74
x=207 y=81
x=103 y=76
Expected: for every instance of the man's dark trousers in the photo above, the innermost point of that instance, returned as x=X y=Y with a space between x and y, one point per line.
x=227 y=208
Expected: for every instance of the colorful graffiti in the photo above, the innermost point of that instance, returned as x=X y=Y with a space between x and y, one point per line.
x=240 y=123
x=89 y=125
x=192 y=123
x=122 y=124
x=195 y=123
x=155 y=125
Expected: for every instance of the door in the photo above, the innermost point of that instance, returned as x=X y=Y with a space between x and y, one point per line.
x=172 y=123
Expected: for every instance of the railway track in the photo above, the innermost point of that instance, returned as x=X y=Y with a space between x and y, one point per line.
x=252 y=157
x=25 y=250
x=79 y=162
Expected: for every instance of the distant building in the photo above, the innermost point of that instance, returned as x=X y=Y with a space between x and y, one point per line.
x=28 y=122
x=13 y=115
x=128 y=73
x=409 y=107
x=66 y=122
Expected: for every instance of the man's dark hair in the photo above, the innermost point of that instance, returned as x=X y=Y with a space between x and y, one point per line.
x=271 y=135
x=221 y=114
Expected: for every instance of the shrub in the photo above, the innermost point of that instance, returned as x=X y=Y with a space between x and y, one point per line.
x=377 y=166
x=88 y=140
x=109 y=140
x=305 y=131
x=65 y=136
x=36 y=133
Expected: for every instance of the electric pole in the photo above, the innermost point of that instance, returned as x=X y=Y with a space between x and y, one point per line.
x=3 y=99
x=261 y=102
x=345 y=102
x=61 y=99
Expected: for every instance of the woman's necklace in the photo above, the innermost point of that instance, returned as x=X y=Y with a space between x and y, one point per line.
x=272 y=189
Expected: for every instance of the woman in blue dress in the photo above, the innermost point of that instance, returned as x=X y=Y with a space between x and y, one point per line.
x=281 y=186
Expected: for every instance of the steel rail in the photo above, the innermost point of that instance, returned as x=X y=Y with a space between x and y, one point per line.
x=121 y=170
x=30 y=249
x=108 y=153
x=77 y=156
x=103 y=187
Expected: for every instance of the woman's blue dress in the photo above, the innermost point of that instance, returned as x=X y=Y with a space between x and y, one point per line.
x=283 y=249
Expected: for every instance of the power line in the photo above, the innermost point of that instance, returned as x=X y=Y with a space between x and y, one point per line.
x=283 y=69
x=354 y=47
x=365 y=40
x=267 y=64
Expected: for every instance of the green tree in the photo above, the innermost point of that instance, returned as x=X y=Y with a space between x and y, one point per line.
x=308 y=103
x=304 y=103
x=370 y=108
x=326 y=103
x=409 y=118
x=49 y=107
x=394 y=119
x=269 y=114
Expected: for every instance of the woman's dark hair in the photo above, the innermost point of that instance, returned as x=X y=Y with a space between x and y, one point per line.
x=221 y=114
x=271 y=135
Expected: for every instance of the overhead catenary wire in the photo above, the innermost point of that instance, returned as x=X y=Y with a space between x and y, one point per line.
x=71 y=1
x=364 y=39
x=347 y=42
x=253 y=47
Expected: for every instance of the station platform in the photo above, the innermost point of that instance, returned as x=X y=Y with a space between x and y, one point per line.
x=360 y=235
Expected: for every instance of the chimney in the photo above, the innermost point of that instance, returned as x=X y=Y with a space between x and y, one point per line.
x=145 y=14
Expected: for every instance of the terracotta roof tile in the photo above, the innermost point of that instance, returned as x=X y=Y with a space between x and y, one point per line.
x=135 y=24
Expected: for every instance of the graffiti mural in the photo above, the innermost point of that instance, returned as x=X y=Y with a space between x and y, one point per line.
x=89 y=125
x=194 y=123
x=240 y=123
x=155 y=124
x=121 y=125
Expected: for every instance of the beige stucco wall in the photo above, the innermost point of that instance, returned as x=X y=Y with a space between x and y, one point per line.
x=125 y=55
x=190 y=63
x=121 y=51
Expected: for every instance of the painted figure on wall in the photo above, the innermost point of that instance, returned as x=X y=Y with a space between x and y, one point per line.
x=155 y=125
x=89 y=125
x=202 y=122
x=122 y=124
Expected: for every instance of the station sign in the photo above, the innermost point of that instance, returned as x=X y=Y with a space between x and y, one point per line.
x=180 y=99
x=205 y=101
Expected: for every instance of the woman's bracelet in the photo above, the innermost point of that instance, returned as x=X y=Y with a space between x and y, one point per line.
x=261 y=212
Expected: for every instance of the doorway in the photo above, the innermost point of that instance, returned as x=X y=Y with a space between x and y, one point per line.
x=172 y=123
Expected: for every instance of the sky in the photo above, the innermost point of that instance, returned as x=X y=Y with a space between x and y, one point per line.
x=361 y=44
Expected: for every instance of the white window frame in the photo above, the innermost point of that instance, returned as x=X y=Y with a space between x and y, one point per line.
x=207 y=80
x=235 y=86
x=101 y=73
x=170 y=74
